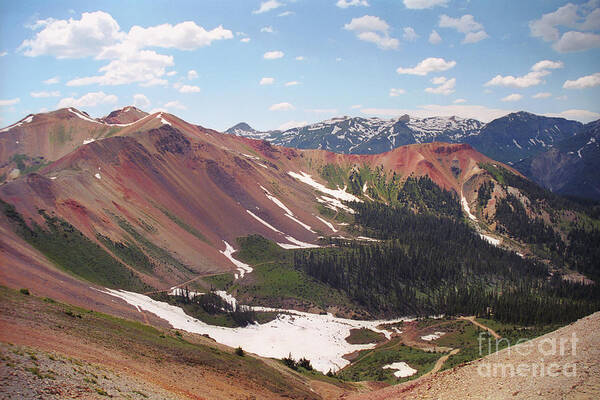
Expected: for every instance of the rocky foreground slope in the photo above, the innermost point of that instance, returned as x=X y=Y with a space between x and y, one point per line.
x=542 y=370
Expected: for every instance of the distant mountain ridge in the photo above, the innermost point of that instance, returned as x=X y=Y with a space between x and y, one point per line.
x=509 y=139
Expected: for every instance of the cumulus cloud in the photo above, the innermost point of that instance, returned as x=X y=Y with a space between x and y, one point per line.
x=512 y=97
x=444 y=86
x=434 y=37
x=577 y=41
x=421 y=4
x=245 y=40
x=409 y=34
x=273 y=55
x=579 y=115
x=374 y=30
x=473 y=30
x=267 y=81
x=350 y=3
x=428 y=65
x=189 y=89
x=91 y=99
x=266 y=6
x=267 y=29
x=584 y=82
x=192 y=74
x=578 y=19
x=175 y=105
x=533 y=78
x=541 y=95
x=52 y=81
x=44 y=94
x=98 y=35
x=141 y=101
x=9 y=102
x=4 y=53
x=394 y=92
x=282 y=107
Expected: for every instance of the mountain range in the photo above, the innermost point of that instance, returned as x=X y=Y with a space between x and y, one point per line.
x=510 y=139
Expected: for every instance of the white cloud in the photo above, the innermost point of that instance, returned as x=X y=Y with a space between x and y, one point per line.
x=267 y=29
x=285 y=14
x=292 y=83
x=422 y=4
x=409 y=34
x=267 y=81
x=579 y=115
x=267 y=6
x=584 y=82
x=98 y=35
x=52 y=81
x=545 y=27
x=478 y=112
x=291 y=124
x=428 y=65
x=91 y=99
x=583 y=17
x=355 y=3
x=272 y=55
x=563 y=97
x=192 y=74
x=74 y=38
x=547 y=64
x=466 y=24
x=4 y=53
x=140 y=100
x=9 y=102
x=444 y=86
x=512 y=97
x=394 y=92
x=338 y=59
x=189 y=89
x=245 y=40
x=459 y=101
x=533 y=78
x=44 y=94
x=282 y=107
x=541 y=95
x=175 y=105
x=434 y=37
x=374 y=30
x=356 y=106
x=145 y=67
x=577 y=41
x=300 y=58
x=171 y=73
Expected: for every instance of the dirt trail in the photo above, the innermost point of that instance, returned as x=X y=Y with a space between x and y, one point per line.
x=440 y=363
x=476 y=323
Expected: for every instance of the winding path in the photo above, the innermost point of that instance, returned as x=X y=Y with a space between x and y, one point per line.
x=479 y=324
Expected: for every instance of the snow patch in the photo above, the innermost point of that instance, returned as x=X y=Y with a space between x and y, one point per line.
x=403 y=369
x=433 y=336
x=465 y=205
x=338 y=193
x=265 y=223
x=297 y=244
x=162 y=120
x=288 y=212
x=319 y=338
x=84 y=117
x=241 y=267
x=97 y=175
x=86 y=141
x=329 y=224
x=490 y=240
x=517 y=144
x=25 y=120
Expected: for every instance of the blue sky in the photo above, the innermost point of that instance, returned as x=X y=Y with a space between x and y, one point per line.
x=279 y=63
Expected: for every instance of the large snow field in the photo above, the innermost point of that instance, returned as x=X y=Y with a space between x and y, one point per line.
x=319 y=338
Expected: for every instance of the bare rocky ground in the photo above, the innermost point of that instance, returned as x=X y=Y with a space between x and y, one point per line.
x=573 y=373
x=26 y=373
